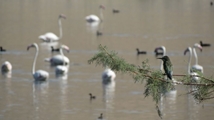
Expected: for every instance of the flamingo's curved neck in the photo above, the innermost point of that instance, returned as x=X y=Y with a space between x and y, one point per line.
x=196 y=57
x=63 y=58
x=60 y=28
x=35 y=58
x=190 y=59
x=101 y=14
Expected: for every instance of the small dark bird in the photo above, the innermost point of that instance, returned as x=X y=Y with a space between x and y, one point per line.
x=54 y=49
x=115 y=11
x=1 y=49
x=92 y=97
x=101 y=116
x=140 y=52
x=211 y=3
x=99 y=33
x=204 y=44
x=167 y=65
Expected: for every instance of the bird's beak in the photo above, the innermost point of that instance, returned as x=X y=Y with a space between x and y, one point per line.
x=186 y=51
x=63 y=16
x=29 y=47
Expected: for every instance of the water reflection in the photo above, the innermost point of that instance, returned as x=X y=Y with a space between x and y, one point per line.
x=7 y=74
x=40 y=97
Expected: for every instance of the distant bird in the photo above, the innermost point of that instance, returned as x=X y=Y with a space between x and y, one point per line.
x=51 y=37
x=54 y=49
x=59 y=59
x=6 y=67
x=211 y=3
x=167 y=65
x=162 y=52
x=39 y=75
x=204 y=44
x=197 y=67
x=194 y=74
x=93 y=18
x=99 y=33
x=62 y=69
x=115 y=11
x=108 y=75
x=91 y=96
x=2 y=49
x=101 y=116
x=140 y=52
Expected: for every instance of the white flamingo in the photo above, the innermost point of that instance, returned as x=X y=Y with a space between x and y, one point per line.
x=51 y=37
x=6 y=67
x=93 y=18
x=39 y=75
x=108 y=75
x=59 y=59
x=197 y=67
x=194 y=74
x=62 y=69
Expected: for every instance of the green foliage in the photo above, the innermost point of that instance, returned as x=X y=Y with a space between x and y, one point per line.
x=156 y=85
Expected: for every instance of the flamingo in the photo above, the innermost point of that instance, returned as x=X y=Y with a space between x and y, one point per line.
x=51 y=37
x=39 y=75
x=6 y=67
x=93 y=18
x=197 y=67
x=59 y=59
x=108 y=75
x=194 y=74
x=62 y=69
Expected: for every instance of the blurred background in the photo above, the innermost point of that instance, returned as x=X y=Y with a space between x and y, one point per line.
x=125 y=26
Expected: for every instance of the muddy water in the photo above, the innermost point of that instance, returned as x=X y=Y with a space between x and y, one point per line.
x=143 y=24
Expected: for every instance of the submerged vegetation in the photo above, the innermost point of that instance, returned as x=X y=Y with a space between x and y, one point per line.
x=156 y=85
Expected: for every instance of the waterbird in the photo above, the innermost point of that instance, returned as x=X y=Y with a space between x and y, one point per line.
x=39 y=75
x=99 y=33
x=197 y=67
x=51 y=37
x=204 y=44
x=59 y=59
x=91 y=96
x=115 y=11
x=108 y=75
x=62 y=69
x=140 y=52
x=6 y=67
x=167 y=65
x=211 y=3
x=54 y=49
x=93 y=18
x=101 y=116
x=2 y=49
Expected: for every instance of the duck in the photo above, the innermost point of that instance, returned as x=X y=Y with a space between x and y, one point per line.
x=92 y=97
x=204 y=44
x=140 y=52
x=101 y=116
x=54 y=49
x=2 y=49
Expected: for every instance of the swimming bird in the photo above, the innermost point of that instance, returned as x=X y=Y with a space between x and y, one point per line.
x=99 y=33
x=197 y=67
x=204 y=44
x=193 y=74
x=91 y=96
x=167 y=65
x=108 y=75
x=59 y=59
x=2 y=49
x=39 y=75
x=115 y=11
x=62 y=69
x=6 y=67
x=51 y=37
x=101 y=116
x=93 y=18
x=140 y=52
x=54 y=49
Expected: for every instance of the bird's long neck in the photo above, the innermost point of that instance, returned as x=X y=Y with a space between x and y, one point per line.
x=60 y=28
x=63 y=58
x=196 y=57
x=35 y=58
x=101 y=14
x=189 y=62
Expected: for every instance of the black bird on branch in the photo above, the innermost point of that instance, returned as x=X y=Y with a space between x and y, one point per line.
x=167 y=65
